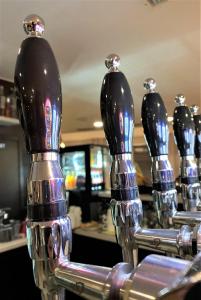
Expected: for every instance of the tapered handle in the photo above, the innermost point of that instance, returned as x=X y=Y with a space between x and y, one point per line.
x=197 y=121
x=184 y=127
x=38 y=88
x=154 y=120
x=117 y=108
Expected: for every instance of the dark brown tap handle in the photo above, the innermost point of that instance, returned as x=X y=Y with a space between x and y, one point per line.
x=38 y=87
x=184 y=128
x=197 y=122
x=154 y=120
x=20 y=117
x=117 y=109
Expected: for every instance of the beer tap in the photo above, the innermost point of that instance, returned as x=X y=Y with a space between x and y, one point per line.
x=197 y=120
x=126 y=207
x=38 y=88
x=48 y=227
x=184 y=131
x=154 y=121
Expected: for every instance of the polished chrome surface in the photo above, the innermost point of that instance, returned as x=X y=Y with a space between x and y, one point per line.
x=188 y=167
x=112 y=62
x=180 y=99
x=170 y=241
x=166 y=206
x=126 y=217
x=165 y=201
x=34 y=25
x=150 y=85
x=194 y=109
x=57 y=294
x=48 y=243
x=179 y=289
x=45 y=156
x=152 y=275
x=87 y=281
x=93 y=282
x=123 y=175
x=49 y=240
x=190 y=192
x=126 y=214
x=45 y=181
x=190 y=218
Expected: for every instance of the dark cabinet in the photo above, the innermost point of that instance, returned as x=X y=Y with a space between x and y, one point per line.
x=14 y=164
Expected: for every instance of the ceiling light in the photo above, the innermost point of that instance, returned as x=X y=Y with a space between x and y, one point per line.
x=170 y=119
x=62 y=145
x=98 y=124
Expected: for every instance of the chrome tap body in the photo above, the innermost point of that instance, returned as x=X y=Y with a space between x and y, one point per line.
x=184 y=131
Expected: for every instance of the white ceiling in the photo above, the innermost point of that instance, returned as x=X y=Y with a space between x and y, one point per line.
x=161 y=41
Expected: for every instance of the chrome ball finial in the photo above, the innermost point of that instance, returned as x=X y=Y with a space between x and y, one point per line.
x=34 y=25
x=112 y=62
x=180 y=99
x=150 y=85
x=194 y=109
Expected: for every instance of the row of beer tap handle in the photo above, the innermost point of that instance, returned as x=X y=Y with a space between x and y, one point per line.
x=49 y=231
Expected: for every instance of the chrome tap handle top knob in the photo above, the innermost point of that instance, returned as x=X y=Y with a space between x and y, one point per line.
x=194 y=109
x=112 y=62
x=34 y=25
x=150 y=85
x=180 y=99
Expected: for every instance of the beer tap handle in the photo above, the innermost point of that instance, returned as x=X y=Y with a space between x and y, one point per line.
x=117 y=108
x=154 y=120
x=118 y=118
x=197 y=120
x=184 y=128
x=38 y=87
x=184 y=131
